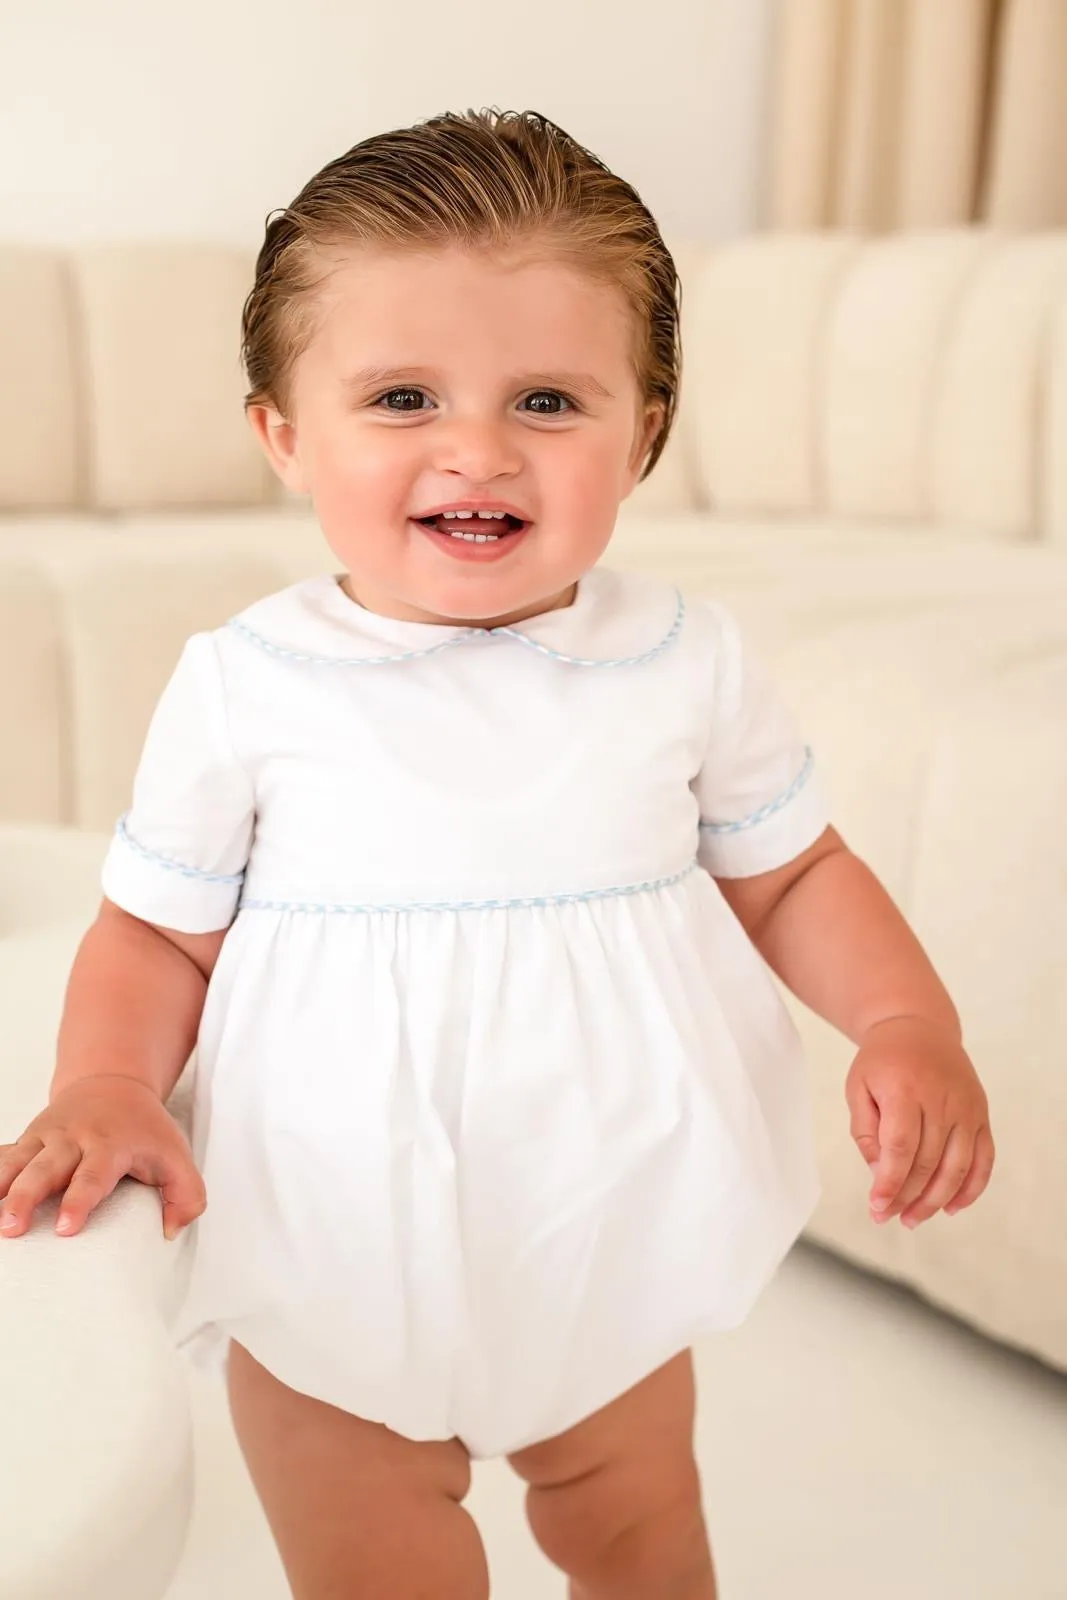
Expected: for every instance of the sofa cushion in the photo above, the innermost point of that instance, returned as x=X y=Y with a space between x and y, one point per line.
x=40 y=447
x=754 y=327
x=162 y=339
x=1052 y=484
x=35 y=772
x=989 y=457
x=885 y=338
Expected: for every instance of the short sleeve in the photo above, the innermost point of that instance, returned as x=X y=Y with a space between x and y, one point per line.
x=179 y=853
x=761 y=804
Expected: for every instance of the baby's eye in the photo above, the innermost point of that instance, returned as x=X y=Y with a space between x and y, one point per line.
x=390 y=394
x=549 y=394
x=399 y=402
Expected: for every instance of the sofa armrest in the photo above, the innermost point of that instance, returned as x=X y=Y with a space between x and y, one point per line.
x=96 y=1464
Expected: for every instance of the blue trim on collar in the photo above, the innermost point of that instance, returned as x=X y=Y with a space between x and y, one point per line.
x=346 y=661
x=619 y=661
x=466 y=636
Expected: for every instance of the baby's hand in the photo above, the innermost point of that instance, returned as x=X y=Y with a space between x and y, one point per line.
x=93 y=1133
x=921 y=1120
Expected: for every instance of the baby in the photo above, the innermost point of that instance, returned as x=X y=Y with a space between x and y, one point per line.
x=463 y=870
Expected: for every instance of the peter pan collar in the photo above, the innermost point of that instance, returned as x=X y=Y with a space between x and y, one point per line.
x=616 y=620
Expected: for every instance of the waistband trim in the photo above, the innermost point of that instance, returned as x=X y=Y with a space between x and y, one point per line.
x=533 y=903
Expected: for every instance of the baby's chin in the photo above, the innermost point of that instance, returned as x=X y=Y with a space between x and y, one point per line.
x=480 y=595
x=486 y=599
x=493 y=610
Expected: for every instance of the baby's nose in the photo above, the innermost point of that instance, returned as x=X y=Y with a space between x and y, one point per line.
x=479 y=450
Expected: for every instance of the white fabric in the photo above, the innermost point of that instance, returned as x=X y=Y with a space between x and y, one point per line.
x=496 y=1106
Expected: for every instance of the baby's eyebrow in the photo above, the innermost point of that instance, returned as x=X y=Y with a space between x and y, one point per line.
x=581 y=382
x=374 y=377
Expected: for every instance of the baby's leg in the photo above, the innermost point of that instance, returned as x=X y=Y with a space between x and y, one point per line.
x=354 y=1508
x=615 y=1501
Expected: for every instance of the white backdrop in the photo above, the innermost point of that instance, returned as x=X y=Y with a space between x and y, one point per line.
x=143 y=118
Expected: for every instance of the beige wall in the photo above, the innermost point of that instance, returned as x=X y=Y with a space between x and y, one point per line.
x=125 y=118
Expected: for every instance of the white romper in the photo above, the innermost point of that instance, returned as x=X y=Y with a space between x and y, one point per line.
x=496 y=1105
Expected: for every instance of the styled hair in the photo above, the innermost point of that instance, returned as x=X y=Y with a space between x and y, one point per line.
x=481 y=180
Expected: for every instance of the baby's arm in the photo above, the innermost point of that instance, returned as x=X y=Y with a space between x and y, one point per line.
x=830 y=931
x=171 y=883
x=827 y=927
x=133 y=1003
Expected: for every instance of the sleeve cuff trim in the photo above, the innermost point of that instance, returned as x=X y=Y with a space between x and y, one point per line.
x=170 y=865
x=768 y=810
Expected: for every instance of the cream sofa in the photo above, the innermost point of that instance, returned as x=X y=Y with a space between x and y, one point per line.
x=870 y=466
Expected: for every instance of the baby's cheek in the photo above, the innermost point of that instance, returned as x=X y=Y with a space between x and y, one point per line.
x=592 y=510
x=355 y=488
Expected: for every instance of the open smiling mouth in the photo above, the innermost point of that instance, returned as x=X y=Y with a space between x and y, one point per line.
x=474 y=534
x=474 y=528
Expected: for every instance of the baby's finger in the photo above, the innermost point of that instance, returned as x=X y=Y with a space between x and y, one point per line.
x=985 y=1155
x=43 y=1175
x=169 y=1167
x=952 y=1169
x=898 y=1138
x=184 y=1198
x=95 y=1178
x=15 y=1157
x=932 y=1144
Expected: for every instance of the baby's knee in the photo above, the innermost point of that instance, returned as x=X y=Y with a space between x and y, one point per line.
x=628 y=1526
x=355 y=1509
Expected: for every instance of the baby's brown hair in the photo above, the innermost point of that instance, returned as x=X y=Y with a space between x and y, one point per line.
x=481 y=180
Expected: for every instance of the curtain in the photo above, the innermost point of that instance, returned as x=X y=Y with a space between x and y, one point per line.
x=919 y=113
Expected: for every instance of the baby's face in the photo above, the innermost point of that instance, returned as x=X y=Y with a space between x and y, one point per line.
x=435 y=379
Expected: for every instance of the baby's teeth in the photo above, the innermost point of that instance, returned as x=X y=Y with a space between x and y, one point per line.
x=483 y=516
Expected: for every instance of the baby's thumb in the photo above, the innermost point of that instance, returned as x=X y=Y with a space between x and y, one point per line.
x=184 y=1198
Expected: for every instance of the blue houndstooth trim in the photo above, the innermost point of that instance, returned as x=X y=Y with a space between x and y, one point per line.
x=166 y=861
x=535 y=903
x=619 y=661
x=346 y=661
x=465 y=637
x=767 y=811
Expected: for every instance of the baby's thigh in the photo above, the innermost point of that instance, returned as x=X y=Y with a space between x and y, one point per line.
x=617 y=1499
x=354 y=1508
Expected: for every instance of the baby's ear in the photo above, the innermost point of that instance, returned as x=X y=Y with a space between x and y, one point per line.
x=278 y=441
x=644 y=438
